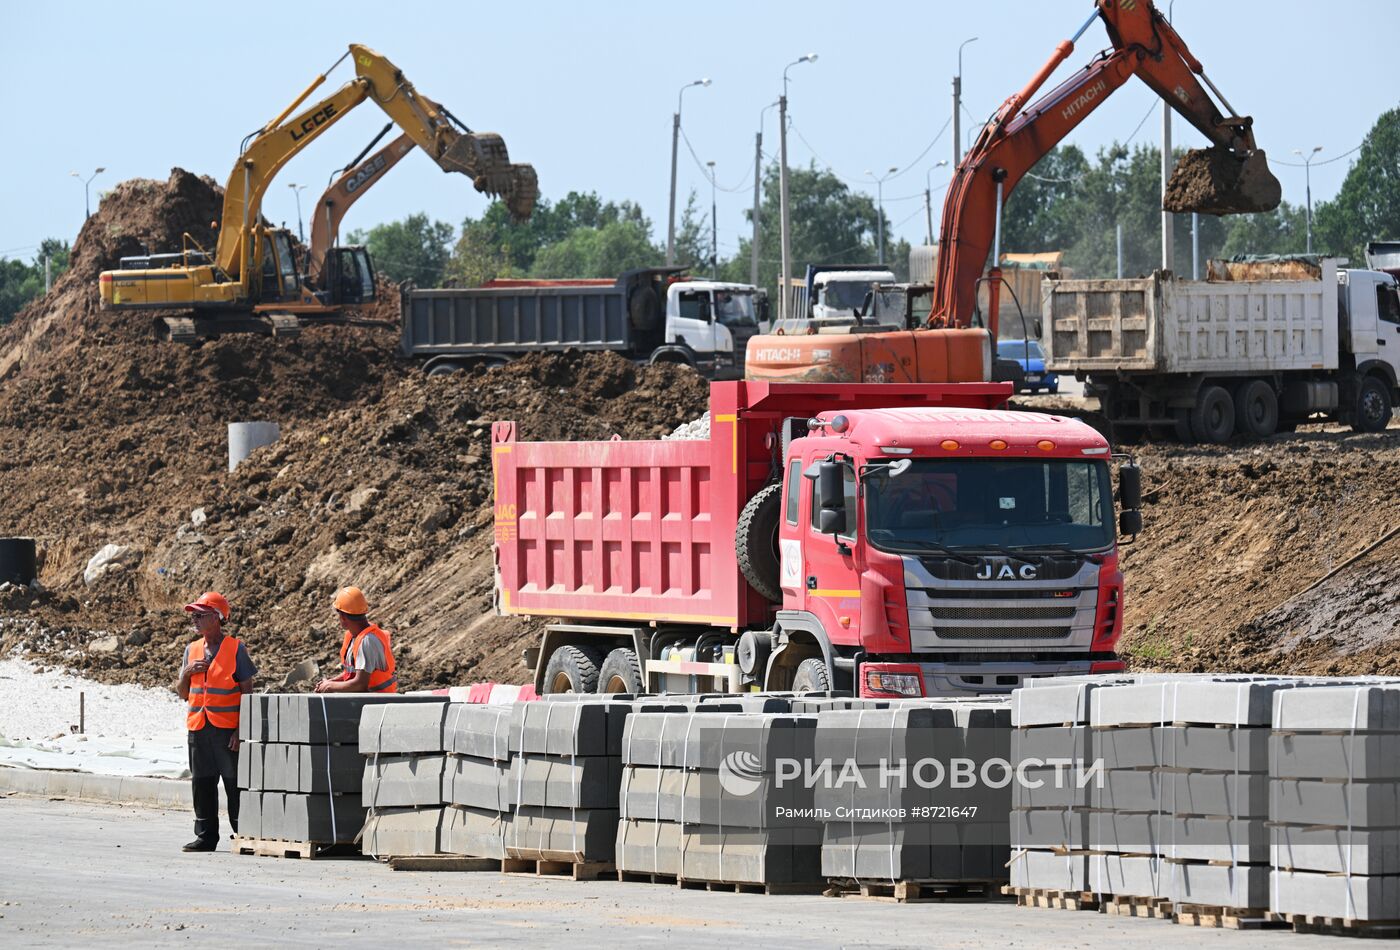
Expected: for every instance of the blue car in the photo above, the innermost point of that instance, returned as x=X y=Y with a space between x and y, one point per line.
x=1032 y=359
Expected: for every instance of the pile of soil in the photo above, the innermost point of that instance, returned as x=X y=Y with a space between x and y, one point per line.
x=1215 y=181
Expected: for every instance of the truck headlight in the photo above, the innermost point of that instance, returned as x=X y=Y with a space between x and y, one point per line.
x=897 y=684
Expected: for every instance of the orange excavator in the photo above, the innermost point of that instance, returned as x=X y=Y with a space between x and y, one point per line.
x=1231 y=177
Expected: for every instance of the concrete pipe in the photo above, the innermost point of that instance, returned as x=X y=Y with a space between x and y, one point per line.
x=244 y=437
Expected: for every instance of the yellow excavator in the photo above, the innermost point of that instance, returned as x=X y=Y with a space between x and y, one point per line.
x=251 y=281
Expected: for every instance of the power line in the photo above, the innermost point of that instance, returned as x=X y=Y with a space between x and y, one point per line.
x=927 y=148
x=1329 y=161
x=742 y=186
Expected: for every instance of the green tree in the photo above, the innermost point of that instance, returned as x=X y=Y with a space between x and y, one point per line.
x=1281 y=231
x=415 y=249
x=20 y=282
x=1042 y=212
x=693 y=236
x=604 y=251
x=1368 y=205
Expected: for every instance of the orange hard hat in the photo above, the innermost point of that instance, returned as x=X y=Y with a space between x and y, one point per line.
x=351 y=600
x=210 y=600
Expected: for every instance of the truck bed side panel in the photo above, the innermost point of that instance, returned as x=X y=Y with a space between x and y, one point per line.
x=615 y=530
x=509 y=320
x=1101 y=324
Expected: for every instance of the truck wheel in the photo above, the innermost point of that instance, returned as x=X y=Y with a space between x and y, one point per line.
x=641 y=309
x=572 y=670
x=621 y=673
x=1213 y=418
x=756 y=541
x=1373 y=406
x=1256 y=409
x=812 y=676
x=1184 y=435
x=445 y=369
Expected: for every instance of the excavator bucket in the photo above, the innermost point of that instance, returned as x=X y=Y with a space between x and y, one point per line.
x=482 y=157
x=1217 y=181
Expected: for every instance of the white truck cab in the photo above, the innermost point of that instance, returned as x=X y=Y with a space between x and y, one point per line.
x=1370 y=307
x=709 y=322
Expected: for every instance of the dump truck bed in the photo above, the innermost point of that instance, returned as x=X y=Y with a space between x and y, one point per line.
x=1161 y=324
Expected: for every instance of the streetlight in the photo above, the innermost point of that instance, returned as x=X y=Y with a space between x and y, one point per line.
x=675 y=142
x=928 y=198
x=714 y=227
x=757 y=183
x=783 y=185
x=87 y=203
x=957 y=104
x=1307 y=172
x=296 y=191
x=880 y=207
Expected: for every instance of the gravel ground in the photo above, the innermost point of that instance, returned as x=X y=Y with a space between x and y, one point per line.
x=42 y=703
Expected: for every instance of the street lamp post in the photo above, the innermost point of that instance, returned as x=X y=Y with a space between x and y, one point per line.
x=928 y=198
x=757 y=182
x=87 y=201
x=296 y=191
x=1307 y=173
x=1168 y=236
x=714 y=226
x=675 y=143
x=783 y=186
x=880 y=209
x=957 y=105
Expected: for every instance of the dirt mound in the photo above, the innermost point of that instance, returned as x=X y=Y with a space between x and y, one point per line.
x=1215 y=181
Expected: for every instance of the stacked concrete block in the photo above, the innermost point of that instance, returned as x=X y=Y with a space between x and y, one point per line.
x=897 y=806
x=702 y=797
x=1182 y=809
x=299 y=765
x=1051 y=746
x=404 y=750
x=565 y=772
x=1334 y=802
x=477 y=792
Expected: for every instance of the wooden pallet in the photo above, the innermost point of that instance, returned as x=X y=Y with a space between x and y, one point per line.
x=641 y=877
x=439 y=862
x=1052 y=899
x=285 y=848
x=577 y=870
x=1225 y=918
x=917 y=892
x=1340 y=926
x=1124 y=905
x=745 y=887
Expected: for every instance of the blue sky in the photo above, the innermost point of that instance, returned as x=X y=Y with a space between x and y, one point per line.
x=585 y=92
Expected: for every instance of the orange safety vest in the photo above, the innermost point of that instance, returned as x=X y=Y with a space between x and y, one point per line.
x=380 y=681
x=214 y=694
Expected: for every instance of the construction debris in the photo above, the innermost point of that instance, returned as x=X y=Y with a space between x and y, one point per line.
x=1216 y=181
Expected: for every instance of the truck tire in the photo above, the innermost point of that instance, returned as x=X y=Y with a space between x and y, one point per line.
x=572 y=670
x=1256 y=409
x=621 y=672
x=1373 y=406
x=642 y=309
x=1213 y=418
x=1184 y=435
x=445 y=369
x=756 y=541
x=812 y=676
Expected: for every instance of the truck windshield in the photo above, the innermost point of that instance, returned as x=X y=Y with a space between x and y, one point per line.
x=982 y=503
x=845 y=294
x=735 y=309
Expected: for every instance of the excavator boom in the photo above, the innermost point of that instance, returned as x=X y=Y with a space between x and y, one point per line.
x=357 y=178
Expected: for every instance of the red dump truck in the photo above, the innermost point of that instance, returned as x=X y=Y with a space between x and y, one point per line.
x=892 y=540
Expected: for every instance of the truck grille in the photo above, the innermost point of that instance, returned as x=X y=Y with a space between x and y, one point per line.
x=1003 y=613
x=1003 y=633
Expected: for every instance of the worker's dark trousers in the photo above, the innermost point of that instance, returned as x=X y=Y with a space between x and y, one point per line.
x=210 y=762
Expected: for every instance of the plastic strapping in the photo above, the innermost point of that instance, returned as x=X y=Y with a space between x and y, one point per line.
x=855 y=748
x=330 y=789
x=889 y=796
x=685 y=781
x=1081 y=702
x=576 y=789
x=1240 y=734
x=1351 y=758
x=656 y=813
x=723 y=725
x=374 y=766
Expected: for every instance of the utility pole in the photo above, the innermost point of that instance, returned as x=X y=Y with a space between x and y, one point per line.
x=714 y=226
x=957 y=108
x=87 y=193
x=675 y=143
x=757 y=182
x=1195 y=246
x=928 y=199
x=48 y=273
x=1168 y=251
x=1120 y=251
x=296 y=191
x=783 y=187
x=880 y=209
x=1307 y=172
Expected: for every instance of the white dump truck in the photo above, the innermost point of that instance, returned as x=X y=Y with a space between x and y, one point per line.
x=1256 y=349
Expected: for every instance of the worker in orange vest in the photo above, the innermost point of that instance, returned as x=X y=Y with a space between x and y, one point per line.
x=366 y=660
x=213 y=678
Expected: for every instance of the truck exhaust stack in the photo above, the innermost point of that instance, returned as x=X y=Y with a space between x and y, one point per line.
x=1217 y=181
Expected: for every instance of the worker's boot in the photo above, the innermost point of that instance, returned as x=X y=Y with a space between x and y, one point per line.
x=200 y=844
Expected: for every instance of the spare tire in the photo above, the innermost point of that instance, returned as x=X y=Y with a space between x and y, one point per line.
x=642 y=310
x=756 y=541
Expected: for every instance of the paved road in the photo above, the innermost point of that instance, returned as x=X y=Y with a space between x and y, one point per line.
x=80 y=873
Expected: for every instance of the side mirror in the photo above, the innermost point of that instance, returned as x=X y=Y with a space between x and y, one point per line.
x=831 y=520
x=1129 y=522
x=1129 y=486
x=831 y=492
